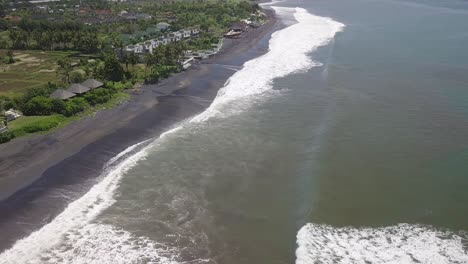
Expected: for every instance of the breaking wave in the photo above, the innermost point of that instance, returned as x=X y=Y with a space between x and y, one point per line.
x=288 y=53
x=75 y=236
x=400 y=244
x=72 y=237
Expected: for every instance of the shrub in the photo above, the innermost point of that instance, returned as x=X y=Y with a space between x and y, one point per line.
x=75 y=106
x=38 y=105
x=10 y=104
x=58 y=106
x=39 y=91
x=43 y=125
x=6 y=136
x=77 y=76
x=112 y=69
x=118 y=86
x=98 y=96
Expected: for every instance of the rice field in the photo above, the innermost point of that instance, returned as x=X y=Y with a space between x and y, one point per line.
x=32 y=69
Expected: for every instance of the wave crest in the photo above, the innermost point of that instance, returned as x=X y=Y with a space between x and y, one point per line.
x=288 y=53
x=403 y=243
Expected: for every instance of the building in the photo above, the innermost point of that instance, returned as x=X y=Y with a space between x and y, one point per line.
x=239 y=26
x=187 y=63
x=41 y=9
x=62 y=94
x=137 y=49
x=12 y=115
x=237 y=29
x=163 y=26
x=149 y=45
x=171 y=19
x=143 y=16
x=92 y=84
x=3 y=128
x=77 y=89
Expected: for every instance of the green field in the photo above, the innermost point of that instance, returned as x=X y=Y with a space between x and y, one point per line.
x=33 y=69
x=31 y=124
x=25 y=125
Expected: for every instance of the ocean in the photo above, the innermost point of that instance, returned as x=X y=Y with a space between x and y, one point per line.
x=347 y=142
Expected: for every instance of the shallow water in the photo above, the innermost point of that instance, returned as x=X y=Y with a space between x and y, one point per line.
x=345 y=143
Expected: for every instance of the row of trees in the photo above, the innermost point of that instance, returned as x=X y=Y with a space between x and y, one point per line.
x=164 y=60
x=80 y=40
x=46 y=35
x=36 y=101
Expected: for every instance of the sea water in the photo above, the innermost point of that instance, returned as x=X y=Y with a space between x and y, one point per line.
x=345 y=143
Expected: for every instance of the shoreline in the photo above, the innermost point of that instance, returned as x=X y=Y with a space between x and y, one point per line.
x=32 y=168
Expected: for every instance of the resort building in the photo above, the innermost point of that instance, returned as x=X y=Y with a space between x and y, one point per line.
x=78 y=89
x=3 y=128
x=149 y=45
x=163 y=26
x=92 y=84
x=12 y=115
x=62 y=94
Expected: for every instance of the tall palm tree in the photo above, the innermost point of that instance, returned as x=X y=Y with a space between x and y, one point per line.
x=133 y=59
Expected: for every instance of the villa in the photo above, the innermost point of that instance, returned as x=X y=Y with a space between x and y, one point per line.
x=62 y=94
x=92 y=84
x=149 y=45
x=76 y=89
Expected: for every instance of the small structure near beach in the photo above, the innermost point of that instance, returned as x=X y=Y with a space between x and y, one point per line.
x=92 y=84
x=12 y=115
x=162 y=25
x=237 y=29
x=62 y=94
x=77 y=88
x=3 y=128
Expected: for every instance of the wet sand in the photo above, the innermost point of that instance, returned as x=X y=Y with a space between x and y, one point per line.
x=41 y=174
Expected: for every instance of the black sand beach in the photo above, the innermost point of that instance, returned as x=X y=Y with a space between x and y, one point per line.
x=41 y=174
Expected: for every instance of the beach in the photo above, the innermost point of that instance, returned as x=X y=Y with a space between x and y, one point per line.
x=335 y=134
x=60 y=166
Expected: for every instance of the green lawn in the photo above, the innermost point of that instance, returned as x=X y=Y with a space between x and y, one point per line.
x=25 y=125
x=32 y=124
x=34 y=69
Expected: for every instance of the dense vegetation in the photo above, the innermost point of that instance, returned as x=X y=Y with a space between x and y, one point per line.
x=90 y=42
x=45 y=35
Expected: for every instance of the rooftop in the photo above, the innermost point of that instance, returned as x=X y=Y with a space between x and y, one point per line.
x=77 y=88
x=62 y=94
x=92 y=83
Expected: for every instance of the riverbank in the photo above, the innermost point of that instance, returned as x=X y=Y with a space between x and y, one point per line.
x=69 y=160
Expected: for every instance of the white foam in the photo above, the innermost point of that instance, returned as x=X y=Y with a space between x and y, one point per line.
x=74 y=237
x=400 y=244
x=288 y=53
x=271 y=3
x=62 y=235
x=105 y=244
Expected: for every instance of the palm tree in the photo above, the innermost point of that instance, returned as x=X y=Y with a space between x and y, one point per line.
x=148 y=62
x=133 y=59
x=64 y=69
x=126 y=60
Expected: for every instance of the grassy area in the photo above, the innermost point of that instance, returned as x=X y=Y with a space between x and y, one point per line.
x=33 y=69
x=32 y=124
x=4 y=38
x=41 y=124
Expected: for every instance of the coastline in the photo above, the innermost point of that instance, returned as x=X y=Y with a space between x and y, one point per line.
x=32 y=168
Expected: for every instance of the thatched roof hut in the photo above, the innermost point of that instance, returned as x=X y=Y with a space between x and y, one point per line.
x=77 y=88
x=92 y=84
x=62 y=94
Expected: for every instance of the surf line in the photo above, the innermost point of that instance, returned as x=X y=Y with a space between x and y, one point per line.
x=288 y=53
